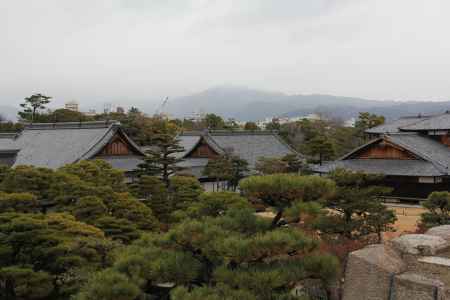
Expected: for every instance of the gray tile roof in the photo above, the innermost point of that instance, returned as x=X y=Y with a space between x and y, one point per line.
x=439 y=122
x=424 y=148
x=391 y=167
x=124 y=163
x=53 y=145
x=247 y=145
x=195 y=166
x=393 y=127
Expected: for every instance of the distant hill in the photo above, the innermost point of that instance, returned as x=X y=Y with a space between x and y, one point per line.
x=248 y=104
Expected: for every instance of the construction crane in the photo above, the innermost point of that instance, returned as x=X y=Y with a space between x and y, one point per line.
x=160 y=109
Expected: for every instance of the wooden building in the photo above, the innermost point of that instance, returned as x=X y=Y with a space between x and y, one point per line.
x=53 y=145
x=200 y=147
x=413 y=153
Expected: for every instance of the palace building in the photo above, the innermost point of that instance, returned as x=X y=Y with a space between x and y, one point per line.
x=200 y=147
x=413 y=153
x=53 y=145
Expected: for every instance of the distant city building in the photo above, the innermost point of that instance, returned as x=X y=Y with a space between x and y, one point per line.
x=90 y=113
x=71 y=105
x=120 y=110
x=107 y=108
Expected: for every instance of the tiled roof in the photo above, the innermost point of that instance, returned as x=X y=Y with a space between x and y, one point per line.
x=53 y=145
x=439 y=122
x=434 y=154
x=194 y=166
x=248 y=145
x=393 y=167
x=424 y=147
x=393 y=127
x=124 y=163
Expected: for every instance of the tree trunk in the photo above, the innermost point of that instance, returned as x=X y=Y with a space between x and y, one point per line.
x=276 y=219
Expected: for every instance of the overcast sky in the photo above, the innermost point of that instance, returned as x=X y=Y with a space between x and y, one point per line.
x=106 y=50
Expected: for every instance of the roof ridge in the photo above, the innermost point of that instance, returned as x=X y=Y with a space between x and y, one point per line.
x=71 y=125
x=229 y=132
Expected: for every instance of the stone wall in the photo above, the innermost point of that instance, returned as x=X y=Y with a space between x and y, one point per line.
x=410 y=267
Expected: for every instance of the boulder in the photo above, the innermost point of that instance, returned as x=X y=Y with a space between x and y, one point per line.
x=369 y=273
x=441 y=231
x=409 y=286
x=419 y=244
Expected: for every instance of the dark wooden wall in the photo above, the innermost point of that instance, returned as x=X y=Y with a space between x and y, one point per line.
x=383 y=151
x=203 y=150
x=117 y=146
x=445 y=139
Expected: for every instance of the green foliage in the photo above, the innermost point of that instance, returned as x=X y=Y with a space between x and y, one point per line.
x=53 y=245
x=89 y=208
x=214 y=122
x=229 y=168
x=24 y=283
x=295 y=164
x=290 y=163
x=27 y=179
x=10 y=126
x=162 y=158
x=18 y=202
x=269 y=166
x=32 y=105
x=98 y=173
x=357 y=202
x=321 y=146
x=222 y=250
x=153 y=193
x=184 y=190
x=438 y=205
x=367 y=120
x=251 y=126
x=216 y=204
x=88 y=190
x=281 y=190
x=67 y=115
x=3 y=171
x=124 y=206
x=109 y=285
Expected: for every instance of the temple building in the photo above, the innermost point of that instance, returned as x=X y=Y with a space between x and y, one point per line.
x=413 y=153
x=53 y=145
x=200 y=147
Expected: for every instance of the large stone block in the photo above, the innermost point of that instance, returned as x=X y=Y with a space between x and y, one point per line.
x=441 y=231
x=369 y=273
x=411 y=286
x=419 y=244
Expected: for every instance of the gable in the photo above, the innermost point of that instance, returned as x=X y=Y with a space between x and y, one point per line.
x=383 y=150
x=202 y=150
x=118 y=145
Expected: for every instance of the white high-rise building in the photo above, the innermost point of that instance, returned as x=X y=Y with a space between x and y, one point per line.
x=71 y=105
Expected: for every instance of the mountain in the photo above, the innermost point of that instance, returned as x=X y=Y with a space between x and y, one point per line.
x=248 y=104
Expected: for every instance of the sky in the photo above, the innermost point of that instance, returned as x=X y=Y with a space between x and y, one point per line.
x=126 y=51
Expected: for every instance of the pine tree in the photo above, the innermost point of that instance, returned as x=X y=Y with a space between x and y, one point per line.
x=31 y=106
x=162 y=159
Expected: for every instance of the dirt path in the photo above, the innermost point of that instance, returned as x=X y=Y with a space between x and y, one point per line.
x=407 y=218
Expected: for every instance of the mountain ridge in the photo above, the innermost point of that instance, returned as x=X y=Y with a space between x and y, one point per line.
x=247 y=104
